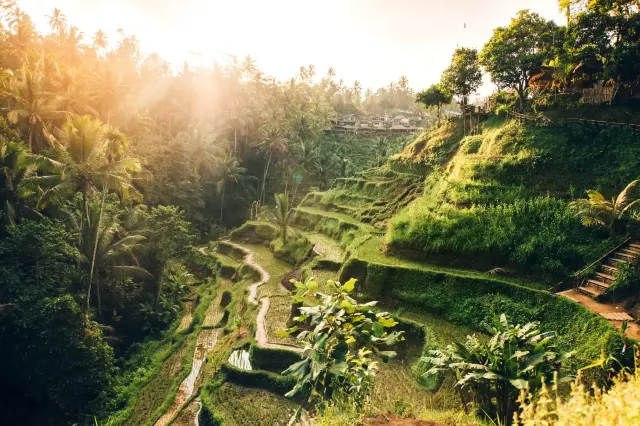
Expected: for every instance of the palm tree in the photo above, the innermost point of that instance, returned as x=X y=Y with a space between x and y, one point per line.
x=229 y=172
x=596 y=210
x=357 y=88
x=58 y=22
x=18 y=183
x=282 y=214
x=31 y=106
x=72 y=44
x=238 y=117
x=86 y=163
x=105 y=248
x=403 y=82
x=99 y=40
x=272 y=142
x=108 y=91
x=331 y=72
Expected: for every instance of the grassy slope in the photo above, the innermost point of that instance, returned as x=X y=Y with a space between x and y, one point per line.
x=469 y=297
x=499 y=199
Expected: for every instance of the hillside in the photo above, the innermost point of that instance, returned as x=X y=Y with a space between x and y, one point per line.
x=499 y=198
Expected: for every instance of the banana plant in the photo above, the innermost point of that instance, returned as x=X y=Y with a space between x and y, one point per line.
x=493 y=373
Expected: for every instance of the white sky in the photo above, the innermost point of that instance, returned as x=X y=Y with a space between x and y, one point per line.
x=373 y=41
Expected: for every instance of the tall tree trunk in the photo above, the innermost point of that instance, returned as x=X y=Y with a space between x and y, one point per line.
x=95 y=250
x=159 y=290
x=264 y=178
x=224 y=188
x=98 y=296
x=31 y=137
x=235 y=141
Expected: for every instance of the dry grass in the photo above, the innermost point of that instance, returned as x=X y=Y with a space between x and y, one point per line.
x=619 y=406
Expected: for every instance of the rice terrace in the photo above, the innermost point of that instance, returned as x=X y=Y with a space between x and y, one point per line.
x=195 y=230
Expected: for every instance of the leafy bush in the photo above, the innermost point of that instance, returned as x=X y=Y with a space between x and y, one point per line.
x=296 y=250
x=342 y=338
x=493 y=373
x=258 y=379
x=274 y=360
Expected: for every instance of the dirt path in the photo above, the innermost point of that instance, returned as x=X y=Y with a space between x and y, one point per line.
x=261 y=328
x=609 y=310
x=205 y=342
x=264 y=275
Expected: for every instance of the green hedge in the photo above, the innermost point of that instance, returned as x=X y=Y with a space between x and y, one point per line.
x=255 y=232
x=266 y=380
x=273 y=360
x=471 y=301
x=297 y=249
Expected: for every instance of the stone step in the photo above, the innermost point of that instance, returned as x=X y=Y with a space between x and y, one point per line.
x=621 y=254
x=606 y=276
x=631 y=250
x=590 y=291
x=610 y=268
x=634 y=245
x=615 y=260
x=599 y=284
x=617 y=316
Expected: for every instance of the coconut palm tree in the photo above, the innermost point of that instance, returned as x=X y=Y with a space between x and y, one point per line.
x=18 y=183
x=238 y=118
x=282 y=214
x=229 y=172
x=108 y=91
x=31 y=106
x=88 y=162
x=73 y=44
x=58 y=22
x=403 y=82
x=596 y=210
x=107 y=250
x=99 y=40
x=273 y=142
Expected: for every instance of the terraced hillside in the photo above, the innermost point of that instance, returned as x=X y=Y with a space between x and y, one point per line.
x=457 y=290
x=351 y=231
x=499 y=199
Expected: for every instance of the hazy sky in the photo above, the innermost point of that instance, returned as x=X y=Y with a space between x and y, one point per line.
x=373 y=41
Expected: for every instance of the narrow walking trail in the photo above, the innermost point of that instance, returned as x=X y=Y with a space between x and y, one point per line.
x=261 y=328
x=613 y=312
x=206 y=340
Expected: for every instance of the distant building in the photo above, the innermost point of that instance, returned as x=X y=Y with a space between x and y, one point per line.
x=401 y=122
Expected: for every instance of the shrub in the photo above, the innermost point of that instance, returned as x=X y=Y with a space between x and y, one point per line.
x=493 y=373
x=296 y=250
x=274 y=360
x=258 y=379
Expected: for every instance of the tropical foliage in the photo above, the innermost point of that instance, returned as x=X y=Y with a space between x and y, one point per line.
x=492 y=374
x=341 y=340
x=596 y=210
